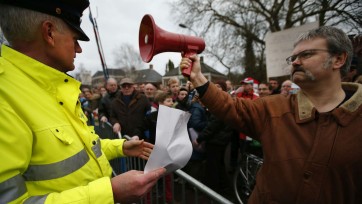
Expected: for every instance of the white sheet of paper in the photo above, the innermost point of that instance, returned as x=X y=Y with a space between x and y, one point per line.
x=173 y=147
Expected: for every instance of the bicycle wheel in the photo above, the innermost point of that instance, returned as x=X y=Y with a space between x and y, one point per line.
x=241 y=184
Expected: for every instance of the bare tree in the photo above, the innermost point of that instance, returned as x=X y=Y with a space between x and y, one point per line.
x=235 y=29
x=127 y=57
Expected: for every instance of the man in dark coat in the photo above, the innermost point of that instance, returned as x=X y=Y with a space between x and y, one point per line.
x=128 y=110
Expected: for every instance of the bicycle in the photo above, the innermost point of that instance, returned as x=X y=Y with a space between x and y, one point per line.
x=244 y=177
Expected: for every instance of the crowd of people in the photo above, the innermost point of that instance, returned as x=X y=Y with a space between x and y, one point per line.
x=50 y=154
x=209 y=134
x=132 y=110
x=307 y=129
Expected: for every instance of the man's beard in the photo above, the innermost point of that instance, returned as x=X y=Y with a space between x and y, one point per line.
x=309 y=75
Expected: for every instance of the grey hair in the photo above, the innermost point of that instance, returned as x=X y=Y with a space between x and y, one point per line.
x=337 y=43
x=21 y=24
x=111 y=79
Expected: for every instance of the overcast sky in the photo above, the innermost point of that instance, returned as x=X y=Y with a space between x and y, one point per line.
x=118 y=22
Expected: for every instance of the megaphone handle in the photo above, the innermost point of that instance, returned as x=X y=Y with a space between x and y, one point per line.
x=187 y=72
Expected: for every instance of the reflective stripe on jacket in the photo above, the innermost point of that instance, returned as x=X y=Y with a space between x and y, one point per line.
x=49 y=154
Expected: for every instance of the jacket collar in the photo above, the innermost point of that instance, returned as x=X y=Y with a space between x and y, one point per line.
x=343 y=114
x=49 y=78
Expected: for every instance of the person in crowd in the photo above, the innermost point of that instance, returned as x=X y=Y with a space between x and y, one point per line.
x=216 y=135
x=89 y=105
x=86 y=106
x=50 y=154
x=229 y=86
x=104 y=113
x=93 y=101
x=247 y=89
x=174 y=87
x=239 y=139
x=94 y=97
x=141 y=88
x=247 y=144
x=85 y=89
x=161 y=98
x=103 y=91
x=195 y=125
x=311 y=140
x=275 y=86
x=181 y=101
x=150 y=92
x=163 y=88
x=128 y=110
x=191 y=92
x=104 y=108
x=264 y=89
x=96 y=90
x=286 y=87
x=352 y=73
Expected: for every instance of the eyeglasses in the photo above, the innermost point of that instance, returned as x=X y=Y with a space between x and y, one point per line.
x=304 y=55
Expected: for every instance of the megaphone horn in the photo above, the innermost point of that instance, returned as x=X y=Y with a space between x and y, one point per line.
x=153 y=40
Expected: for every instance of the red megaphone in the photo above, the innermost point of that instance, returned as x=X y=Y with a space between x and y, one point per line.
x=154 y=40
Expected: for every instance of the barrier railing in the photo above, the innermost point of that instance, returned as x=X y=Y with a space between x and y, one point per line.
x=184 y=189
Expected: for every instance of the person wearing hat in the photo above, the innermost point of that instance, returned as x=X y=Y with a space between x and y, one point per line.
x=128 y=110
x=240 y=140
x=311 y=140
x=247 y=89
x=49 y=154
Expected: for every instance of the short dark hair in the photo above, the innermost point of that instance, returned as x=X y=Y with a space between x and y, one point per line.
x=266 y=84
x=183 y=89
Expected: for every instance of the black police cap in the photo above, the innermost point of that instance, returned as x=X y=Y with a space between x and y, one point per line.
x=70 y=11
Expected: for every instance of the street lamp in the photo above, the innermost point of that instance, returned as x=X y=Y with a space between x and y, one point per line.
x=185 y=26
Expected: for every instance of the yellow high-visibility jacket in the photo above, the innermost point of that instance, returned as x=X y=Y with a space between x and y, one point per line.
x=48 y=153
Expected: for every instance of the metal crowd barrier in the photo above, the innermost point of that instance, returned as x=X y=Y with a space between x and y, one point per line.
x=184 y=189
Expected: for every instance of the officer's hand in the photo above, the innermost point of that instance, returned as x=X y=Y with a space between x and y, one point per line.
x=137 y=148
x=133 y=185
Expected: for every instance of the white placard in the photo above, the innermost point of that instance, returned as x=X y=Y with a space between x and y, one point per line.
x=279 y=46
